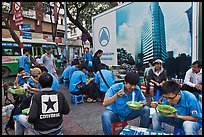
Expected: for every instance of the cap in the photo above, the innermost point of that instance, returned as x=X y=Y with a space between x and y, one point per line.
x=35 y=71
x=158 y=61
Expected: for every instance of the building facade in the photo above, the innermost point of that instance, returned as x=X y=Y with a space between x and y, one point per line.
x=153 y=41
x=41 y=27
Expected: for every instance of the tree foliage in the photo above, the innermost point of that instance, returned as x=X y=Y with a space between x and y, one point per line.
x=79 y=13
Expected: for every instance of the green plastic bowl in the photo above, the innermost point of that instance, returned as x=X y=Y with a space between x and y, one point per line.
x=17 y=91
x=135 y=106
x=166 y=109
x=25 y=111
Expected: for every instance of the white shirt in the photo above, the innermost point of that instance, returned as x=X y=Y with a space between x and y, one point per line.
x=191 y=78
x=48 y=62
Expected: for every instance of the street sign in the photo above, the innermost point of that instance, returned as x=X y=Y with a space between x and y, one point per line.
x=18 y=13
x=26 y=35
x=84 y=37
x=58 y=40
x=25 y=27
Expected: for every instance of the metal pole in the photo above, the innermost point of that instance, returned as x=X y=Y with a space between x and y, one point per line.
x=21 y=40
x=66 y=37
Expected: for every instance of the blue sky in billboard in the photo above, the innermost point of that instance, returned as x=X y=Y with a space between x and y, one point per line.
x=130 y=19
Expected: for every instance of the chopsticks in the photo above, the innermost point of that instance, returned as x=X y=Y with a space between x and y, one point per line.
x=155 y=107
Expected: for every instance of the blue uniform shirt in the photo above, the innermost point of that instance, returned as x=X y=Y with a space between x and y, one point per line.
x=88 y=56
x=187 y=106
x=22 y=80
x=24 y=62
x=90 y=64
x=31 y=82
x=77 y=77
x=71 y=71
x=65 y=73
x=55 y=83
x=109 y=77
x=119 y=106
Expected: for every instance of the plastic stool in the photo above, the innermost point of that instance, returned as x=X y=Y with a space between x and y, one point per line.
x=76 y=99
x=143 y=87
x=118 y=126
x=178 y=131
x=65 y=82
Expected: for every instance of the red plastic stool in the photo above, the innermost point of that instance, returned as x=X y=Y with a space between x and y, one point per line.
x=117 y=127
x=143 y=88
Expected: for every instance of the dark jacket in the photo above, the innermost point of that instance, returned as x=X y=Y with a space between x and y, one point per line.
x=46 y=111
x=161 y=77
x=96 y=64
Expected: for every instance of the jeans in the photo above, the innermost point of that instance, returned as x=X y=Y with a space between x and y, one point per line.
x=21 y=124
x=108 y=117
x=190 y=128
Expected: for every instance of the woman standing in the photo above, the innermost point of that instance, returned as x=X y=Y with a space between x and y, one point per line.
x=96 y=60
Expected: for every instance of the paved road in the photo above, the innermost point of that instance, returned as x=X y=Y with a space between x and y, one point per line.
x=84 y=119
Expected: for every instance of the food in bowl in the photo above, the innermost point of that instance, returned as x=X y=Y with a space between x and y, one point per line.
x=166 y=109
x=135 y=105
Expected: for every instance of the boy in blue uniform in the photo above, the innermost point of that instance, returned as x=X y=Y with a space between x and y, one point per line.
x=188 y=114
x=87 y=55
x=67 y=73
x=24 y=60
x=100 y=83
x=115 y=102
x=80 y=77
x=22 y=77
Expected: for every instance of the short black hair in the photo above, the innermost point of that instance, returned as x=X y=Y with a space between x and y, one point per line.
x=20 y=69
x=170 y=87
x=43 y=68
x=151 y=61
x=89 y=69
x=197 y=62
x=75 y=62
x=48 y=48
x=86 y=48
x=132 y=78
x=24 y=51
x=83 y=66
x=45 y=80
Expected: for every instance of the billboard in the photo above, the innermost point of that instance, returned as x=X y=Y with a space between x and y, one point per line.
x=144 y=31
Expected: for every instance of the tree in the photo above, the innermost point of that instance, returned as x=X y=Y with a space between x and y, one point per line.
x=80 y=13
x=47 y=8
x=6 y=16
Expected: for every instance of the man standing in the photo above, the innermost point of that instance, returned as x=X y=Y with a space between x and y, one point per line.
x=24 y=60
x=48 y=61
x=87 y=55
x=96 y=62
x=193 y=79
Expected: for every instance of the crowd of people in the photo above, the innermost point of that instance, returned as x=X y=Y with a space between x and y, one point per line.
x=93 y=79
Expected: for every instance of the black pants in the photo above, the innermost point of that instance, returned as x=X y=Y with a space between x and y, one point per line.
x=91 y=91
x=193 y=90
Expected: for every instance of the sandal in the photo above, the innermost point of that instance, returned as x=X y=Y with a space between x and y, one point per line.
x=90 y=100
